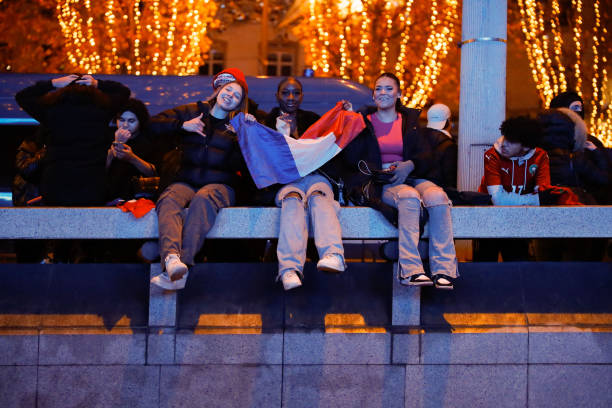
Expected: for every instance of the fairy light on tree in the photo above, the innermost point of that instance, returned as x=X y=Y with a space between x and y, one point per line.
x=136 y=36
x=552 y=59
x=359 y=39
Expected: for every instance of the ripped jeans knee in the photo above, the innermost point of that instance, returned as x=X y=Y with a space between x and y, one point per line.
x=435 y=196
x=408 y=198
x=289 y=192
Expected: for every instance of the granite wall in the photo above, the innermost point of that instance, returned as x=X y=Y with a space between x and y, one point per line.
x=509 y=335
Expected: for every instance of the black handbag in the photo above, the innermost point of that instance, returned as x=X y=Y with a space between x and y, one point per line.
x=467 y=198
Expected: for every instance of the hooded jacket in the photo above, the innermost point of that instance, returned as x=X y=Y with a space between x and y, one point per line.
x=515 y=180
x=76 y=120
x=565 y=135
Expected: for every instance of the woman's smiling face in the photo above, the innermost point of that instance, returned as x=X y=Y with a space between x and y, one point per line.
x=386 y=93
x=230 y=96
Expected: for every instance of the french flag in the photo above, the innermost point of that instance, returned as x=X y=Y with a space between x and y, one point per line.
x=276 y=158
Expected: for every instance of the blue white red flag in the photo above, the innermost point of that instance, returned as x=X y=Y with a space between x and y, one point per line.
x=276 y=158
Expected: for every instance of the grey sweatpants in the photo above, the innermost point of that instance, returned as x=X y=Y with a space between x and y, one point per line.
x=184 y=233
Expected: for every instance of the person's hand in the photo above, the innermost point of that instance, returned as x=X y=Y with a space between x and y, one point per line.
x=195 y=125
x=63 y=81
x=590 y=145
x=346 y=105
x=122 y=135
x=401 y=170
x=283 y=125
x=123 y=152
x=88 y=80
x=249 y=118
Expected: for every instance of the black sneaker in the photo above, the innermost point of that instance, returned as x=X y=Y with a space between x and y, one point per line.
x=443 y=282
x=420 y=279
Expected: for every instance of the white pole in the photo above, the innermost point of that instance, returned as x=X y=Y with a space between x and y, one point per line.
x=482 y=97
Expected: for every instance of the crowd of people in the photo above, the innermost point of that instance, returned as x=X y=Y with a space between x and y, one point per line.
x=98 y=146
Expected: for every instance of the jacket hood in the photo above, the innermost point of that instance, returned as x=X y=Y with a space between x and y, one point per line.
x=580 y=129
x=563 y=129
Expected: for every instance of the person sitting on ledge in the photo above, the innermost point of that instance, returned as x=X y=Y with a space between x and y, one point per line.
x=207 y=173
x=514 y=171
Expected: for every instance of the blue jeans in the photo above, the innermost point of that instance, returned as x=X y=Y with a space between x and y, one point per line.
x=407 y=200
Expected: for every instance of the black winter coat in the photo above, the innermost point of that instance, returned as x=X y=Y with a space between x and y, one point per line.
x=76 y=118
x=305 y=119
x=215 y=158
x=365 y=147
x=120 y=173
x=569 y=164
x=437 y=158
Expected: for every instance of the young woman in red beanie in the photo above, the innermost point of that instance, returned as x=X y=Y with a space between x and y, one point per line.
x=205 y=177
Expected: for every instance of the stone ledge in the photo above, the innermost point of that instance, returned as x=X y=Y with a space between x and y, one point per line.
x=263 y=222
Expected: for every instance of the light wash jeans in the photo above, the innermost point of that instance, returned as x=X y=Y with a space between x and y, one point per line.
x=183 y=232
x=293 y=235
x=407 y=200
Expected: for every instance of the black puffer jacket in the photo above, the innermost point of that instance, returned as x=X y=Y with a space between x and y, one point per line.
x=120 y=173
x=76 y=118
x=564 y=139
x=305 y=119
x=27 y=163
x=365 y=147
x=437 y=158
x=215 y=158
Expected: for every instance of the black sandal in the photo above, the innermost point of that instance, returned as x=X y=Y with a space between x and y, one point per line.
x=420 y=279
x=443 y=285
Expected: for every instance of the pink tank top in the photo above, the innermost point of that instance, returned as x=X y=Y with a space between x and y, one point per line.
x=389 y=136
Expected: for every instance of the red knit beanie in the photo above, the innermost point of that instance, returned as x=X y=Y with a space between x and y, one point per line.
x=230 y=75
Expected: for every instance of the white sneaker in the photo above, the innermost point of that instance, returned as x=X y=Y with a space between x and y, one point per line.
x=163 y=281
x=174 y=267
x=290 y=280
x=331 y=263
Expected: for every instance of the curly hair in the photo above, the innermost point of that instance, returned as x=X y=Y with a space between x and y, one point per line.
x=522 y=129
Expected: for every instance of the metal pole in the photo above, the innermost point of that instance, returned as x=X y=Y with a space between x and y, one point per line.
x=263 y=57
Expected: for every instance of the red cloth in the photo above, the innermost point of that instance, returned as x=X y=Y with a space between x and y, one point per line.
x=344 y=124
x=139 y=208
x=557 y=195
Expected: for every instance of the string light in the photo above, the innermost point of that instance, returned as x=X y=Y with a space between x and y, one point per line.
x=385 y=44
x=438 y=44
x=157 y=37
x=406 y=20
x=577 y=5
x=601 y=115
x=550 y=77
x=357 y=39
